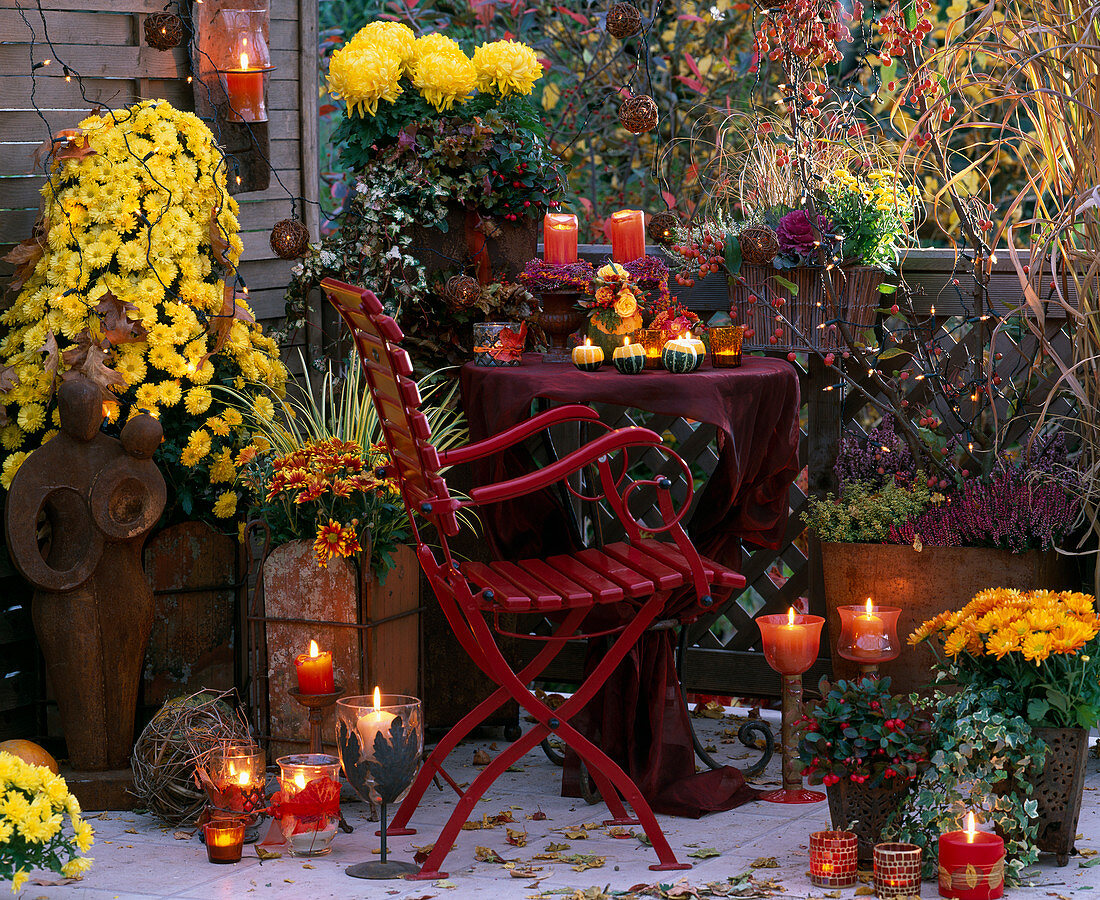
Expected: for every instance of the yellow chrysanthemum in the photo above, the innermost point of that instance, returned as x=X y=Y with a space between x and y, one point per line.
x=263 y=407
x=437 y=43
x=1037 y=646
x=507 y=67
x=225 y=505
x=393 y=38
x=11 y=466
x=198 y=446
x=197 y=400
x=362 y=75
x=18 y=879
x=75 y=868
x=443 y=78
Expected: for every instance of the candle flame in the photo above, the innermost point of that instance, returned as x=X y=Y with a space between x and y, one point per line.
x=313 y=651
x=971 y=827
x=242 y=779
x=790 y=616
x=870 y=607
x=244 y=60
x=588 y=342
x=626 y=341
x=684 y=336
x=377 y=699
x=300 y=781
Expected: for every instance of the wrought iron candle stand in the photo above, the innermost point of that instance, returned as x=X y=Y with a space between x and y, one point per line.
x=316 y=704
x=381 y=739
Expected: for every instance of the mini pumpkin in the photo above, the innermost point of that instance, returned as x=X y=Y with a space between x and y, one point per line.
x=679 y=357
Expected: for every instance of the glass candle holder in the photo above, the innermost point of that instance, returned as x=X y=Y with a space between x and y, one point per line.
x=236 y=783
x=653 y=342
x=897 y=870
x=834 y=861
x=725 y=346
x=498 y=343
x=224 y=840
x=381 y=741
x=307 y=806
x=243 y=61
x=869 y=633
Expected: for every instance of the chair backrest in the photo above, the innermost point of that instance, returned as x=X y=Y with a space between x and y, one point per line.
x=397 y=401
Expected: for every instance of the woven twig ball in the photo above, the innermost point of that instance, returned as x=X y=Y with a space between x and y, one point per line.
x=182 y=735
x=662 y=228
x=758 y=245
x=289 y=239
x=638 y=114
x=462 y=290
x=623 y=20
x=163 y=30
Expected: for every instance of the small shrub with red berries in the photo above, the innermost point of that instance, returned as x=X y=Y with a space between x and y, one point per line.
x=862 y=733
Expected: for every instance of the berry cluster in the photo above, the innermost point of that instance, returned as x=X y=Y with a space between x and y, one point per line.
x=897 y=38
x=702 y=252
x=808 y=30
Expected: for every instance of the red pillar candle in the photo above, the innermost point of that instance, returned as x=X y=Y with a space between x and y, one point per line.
x=559 y=239
x=972 y=864
x=791 y=641
x=627 y=231
x=834 y=859
x=315 y=671
x=245 y=89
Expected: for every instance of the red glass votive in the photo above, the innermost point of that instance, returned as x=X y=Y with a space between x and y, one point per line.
x=972 y=865
x=790 y=641
x=834 y=862
x=868 y=633
x=224 y=840
x=897 y=870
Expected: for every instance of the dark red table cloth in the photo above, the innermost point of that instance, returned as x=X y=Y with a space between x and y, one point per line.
x=639 y=716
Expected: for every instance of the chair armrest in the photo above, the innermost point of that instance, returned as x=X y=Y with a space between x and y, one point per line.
x=572 y=412
x=567 y=465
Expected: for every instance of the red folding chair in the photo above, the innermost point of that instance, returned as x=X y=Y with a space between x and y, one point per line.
x=641 y=571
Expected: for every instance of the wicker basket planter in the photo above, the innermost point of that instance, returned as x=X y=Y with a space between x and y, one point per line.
x=807 y=319
x=1059 y=788
x=865 y=810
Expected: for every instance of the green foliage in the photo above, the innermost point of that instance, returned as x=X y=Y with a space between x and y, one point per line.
x=860 y=731
x=865 y=513
x=985 y=758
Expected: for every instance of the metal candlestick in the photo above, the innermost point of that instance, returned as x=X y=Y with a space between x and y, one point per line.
x=316 y=704
x=792 y=790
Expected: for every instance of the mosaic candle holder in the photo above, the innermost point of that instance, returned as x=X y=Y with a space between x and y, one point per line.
x=869 y=635
x=897 y=870
x=725 y=346
x=653 y=343
x=491 y=347
x=224 y=840
x=834 y=861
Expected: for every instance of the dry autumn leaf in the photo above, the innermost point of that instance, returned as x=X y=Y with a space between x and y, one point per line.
x=537 y=816
x=517 y=838
x=765 y=862
x=864 y=891
x=481 y=758
x=580 y=862
x=488 y=854
x=575 y=834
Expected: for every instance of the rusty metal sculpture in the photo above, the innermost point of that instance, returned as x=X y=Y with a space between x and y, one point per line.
x=78 y=512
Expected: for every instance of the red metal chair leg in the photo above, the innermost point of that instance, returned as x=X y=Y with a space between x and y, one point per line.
x=434 y=762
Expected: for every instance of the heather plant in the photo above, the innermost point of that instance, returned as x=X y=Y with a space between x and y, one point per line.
x=866 y=513
x=875 y=461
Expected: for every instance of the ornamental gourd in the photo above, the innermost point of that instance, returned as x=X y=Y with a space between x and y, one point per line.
x=680 y=355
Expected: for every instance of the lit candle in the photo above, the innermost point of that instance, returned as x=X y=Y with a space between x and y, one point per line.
x=897 y=870
x=629 y=359
x=245 y=89
x=587 y=357
x=971 y=863
x=682 y=354
x=315 y=671
x=224 y=840
x=376 y=722
x=790 y=642
x=627 y=231
x=559 y=238
x=868 y=633
x=833 y=858
x=307 y=806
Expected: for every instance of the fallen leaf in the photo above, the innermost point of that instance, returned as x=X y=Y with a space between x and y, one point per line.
x=500 y=818
x=131 y=831
x=555 y=848
x=444 y=883
x=481 y=758
x=765 y=862
x=832 y=895
x=575 y=834
x=620 y=832
x=488 y=854
x=580 y=862
x=182 y=835
x=517 y=838
x=1088 y=851
x=267 y=854
x=311 y=866
x=708 y=852
x=525 y=871
x=536 y=816
x=52 y=882
x=712 y=709
x=864 y=891
x=1095 y=861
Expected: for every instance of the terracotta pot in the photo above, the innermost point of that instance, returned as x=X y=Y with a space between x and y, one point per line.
x=501 y=247
x=807 y=310
x=865 y=809
x=1059 y=788
x=922 y=584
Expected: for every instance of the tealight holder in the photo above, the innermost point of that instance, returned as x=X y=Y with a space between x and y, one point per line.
x=234 y=777
x=307 y=806
x=381 y=740
x=725 y=346
x=224 y=840
x=897 y=870
x=653 y=342
x=834 y=862
x=629 y=359
x=588 y=357
x=868 y=635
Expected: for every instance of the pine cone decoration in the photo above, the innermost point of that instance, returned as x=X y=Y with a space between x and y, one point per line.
x=662 y=228
x=462 y=290
x=758 y=245
x=623 y=20
x=289 y=239
x=163 y=30
x=638 y=114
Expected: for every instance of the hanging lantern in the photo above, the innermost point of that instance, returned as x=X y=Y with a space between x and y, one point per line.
x=462 y=290
x=289 y=239
x=759 y=245
x=662 y=228
x=623 y=20
x=163 y=30
x=638 y=114
x=243 y=61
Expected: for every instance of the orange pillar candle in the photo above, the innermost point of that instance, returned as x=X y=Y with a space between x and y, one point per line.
x=791 y=641
x=627 y=230
x=224 y=840
x=245 y=89
x=972 y=864
x=559 y=239
x=315 y=671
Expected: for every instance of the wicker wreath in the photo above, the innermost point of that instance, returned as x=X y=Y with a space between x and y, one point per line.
x=462 y=290
x=759 y=245
x=163 y=30
x=289 y=239
x=638 y=114
x=623 y=20
x=181 y=736
x=662 y=228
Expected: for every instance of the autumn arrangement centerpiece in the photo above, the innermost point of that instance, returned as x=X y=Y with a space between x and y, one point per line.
x=453 y=176
x=128 y=281
x=33 y=830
